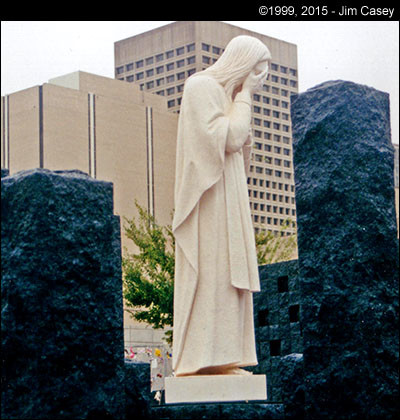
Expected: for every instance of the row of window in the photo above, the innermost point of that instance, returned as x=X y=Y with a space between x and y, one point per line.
x=270 y=184
x=273 y=101
x=282 y=80
x=159 y=70
x=270 y=160
x=263 y=195
x=270 y=220
x=273 y=125
x=155 y=59
x=275 y=232
x=284 y=69
x=275 y=149
x=270 y=172
x=267 y=112
x=211 y=48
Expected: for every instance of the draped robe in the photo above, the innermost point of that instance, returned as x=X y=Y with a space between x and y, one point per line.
x=216 y=268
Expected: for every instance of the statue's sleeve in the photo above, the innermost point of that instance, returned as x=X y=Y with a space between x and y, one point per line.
x=207 y=130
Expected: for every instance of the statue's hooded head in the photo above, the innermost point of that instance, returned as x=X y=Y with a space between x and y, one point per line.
x=240 y=57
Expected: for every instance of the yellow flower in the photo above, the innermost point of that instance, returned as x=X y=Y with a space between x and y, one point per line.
x=157 y=352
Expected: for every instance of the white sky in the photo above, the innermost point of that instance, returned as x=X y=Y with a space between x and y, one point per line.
x=365 y=52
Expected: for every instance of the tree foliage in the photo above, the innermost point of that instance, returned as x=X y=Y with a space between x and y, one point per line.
x=272 y=248
x=148 y=274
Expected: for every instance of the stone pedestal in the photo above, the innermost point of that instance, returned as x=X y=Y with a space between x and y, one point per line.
x=61 y=303
x=215 y=388
x=348 y=251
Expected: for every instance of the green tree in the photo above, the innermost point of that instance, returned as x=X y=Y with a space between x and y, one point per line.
x=148 y=274
x=272 y=248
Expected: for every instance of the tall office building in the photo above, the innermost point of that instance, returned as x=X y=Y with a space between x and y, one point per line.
x=160 y=61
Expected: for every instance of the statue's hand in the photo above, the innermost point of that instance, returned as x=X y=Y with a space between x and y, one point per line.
x=254 y=80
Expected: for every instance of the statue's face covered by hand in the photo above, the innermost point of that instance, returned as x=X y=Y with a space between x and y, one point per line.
x=255 y=79
x=261 y=67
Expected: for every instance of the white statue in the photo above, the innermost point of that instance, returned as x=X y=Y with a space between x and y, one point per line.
x=216 y=268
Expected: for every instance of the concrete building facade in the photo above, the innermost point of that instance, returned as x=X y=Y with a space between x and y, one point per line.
x=108 y=129
x=159 y=61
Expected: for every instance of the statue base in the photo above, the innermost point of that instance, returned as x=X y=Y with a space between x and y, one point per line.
x=215 y=388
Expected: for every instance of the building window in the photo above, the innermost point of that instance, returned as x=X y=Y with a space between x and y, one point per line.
x=205 y=59
x=149 y=60
x=284 y=81
x=150 y=72
x=140 y=76
x=191 y=71
x=205 y=47
x=180 y=76
x=129 y=67
x=274 y=67
x=169 y=54
x=275 y=90
x=160 y=69
x=275 y=347
x=266 y=112
x=120 y=69
x=257 y=109
x=170 y=66
x=171 y=78
x=286 y=140
x=284 y=69
x=180 y=63
x=191 y=60
x=293 y=72
x=170 y=91
x=129 y=79
x=179 y=88
x=284 y=92
x=150 y=85
x=274 y=79
x=265 y=99
x=190 y=47
x=267 y=124
x=160 y=92
x=275 y=102
x=294 y=312
x=160 y=82
x=159 y=57
x=180 y=50
x=276 y=114
x=293 y=83
x=139 y=64
x=171 y=103
x=216 y=50
x=256 y=97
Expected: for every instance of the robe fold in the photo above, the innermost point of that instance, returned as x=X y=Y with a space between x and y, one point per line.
x=216 y=267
